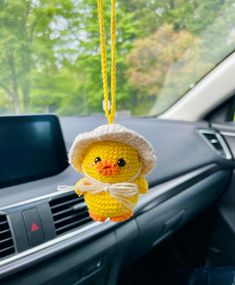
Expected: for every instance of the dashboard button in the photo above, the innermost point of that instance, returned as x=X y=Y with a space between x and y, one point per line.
x=34 y=227
x=93 y=266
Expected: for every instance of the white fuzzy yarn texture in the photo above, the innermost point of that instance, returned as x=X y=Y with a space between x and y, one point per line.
x=115 y=133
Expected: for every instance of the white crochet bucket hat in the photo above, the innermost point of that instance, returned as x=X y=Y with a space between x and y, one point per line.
x=116 y=133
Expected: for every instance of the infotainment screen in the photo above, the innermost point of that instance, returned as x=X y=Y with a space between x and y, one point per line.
x=31 y=147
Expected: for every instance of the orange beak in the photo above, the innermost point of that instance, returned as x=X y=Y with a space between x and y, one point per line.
x=107 y=168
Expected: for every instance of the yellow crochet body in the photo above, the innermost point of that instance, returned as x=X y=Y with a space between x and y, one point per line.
x=103 y=206
x=112 y=158
x=111 y=162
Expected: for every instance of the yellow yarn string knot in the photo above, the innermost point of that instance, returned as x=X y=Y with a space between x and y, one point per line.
x=110 y=114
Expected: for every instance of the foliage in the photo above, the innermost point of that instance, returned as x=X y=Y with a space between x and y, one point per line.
x=157 y=62
x=50 y=62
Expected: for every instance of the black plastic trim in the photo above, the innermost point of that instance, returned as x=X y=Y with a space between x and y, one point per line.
x=156 y=196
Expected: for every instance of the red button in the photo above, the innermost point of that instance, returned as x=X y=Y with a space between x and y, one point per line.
x=34 y=227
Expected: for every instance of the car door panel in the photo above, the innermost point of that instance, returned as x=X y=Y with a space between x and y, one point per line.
x=221 y=250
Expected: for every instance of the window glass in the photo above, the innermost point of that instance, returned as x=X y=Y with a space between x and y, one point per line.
x=50 y=60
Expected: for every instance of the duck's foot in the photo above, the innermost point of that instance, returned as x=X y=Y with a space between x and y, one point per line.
x=96 y=218
x=122 y=218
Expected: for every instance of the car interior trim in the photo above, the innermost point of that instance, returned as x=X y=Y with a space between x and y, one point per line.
x=173 y=187
x=157 y=195
x=225 y=148
x=229 y=134
x=219 y=82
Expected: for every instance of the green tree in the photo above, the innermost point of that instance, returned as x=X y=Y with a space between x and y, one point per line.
x=50 y=58
x=24 y=24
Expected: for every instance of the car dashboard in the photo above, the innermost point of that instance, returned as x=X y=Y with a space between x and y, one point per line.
x=47 y=237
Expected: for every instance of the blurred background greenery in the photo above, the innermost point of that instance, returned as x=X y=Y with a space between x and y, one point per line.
x=50 y=61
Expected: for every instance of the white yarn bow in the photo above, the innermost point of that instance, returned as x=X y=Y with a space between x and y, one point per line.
x=122 y=192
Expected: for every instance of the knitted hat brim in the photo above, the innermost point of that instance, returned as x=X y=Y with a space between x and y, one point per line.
x=115 y=133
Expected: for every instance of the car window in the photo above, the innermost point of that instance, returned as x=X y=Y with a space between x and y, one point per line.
x=50 y=61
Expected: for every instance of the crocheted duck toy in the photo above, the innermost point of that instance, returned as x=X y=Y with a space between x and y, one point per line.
x=113 y=160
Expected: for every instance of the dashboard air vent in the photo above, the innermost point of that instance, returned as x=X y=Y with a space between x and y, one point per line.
x=69 y=212
x=6 y=241
x=217 y=142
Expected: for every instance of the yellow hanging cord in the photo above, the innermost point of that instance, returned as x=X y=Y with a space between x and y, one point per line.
x=110 y=114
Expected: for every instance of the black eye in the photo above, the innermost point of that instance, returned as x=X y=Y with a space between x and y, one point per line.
x=121 y=162
x=97 y=159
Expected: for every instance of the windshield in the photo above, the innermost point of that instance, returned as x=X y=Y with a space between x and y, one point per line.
x=50 y=60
